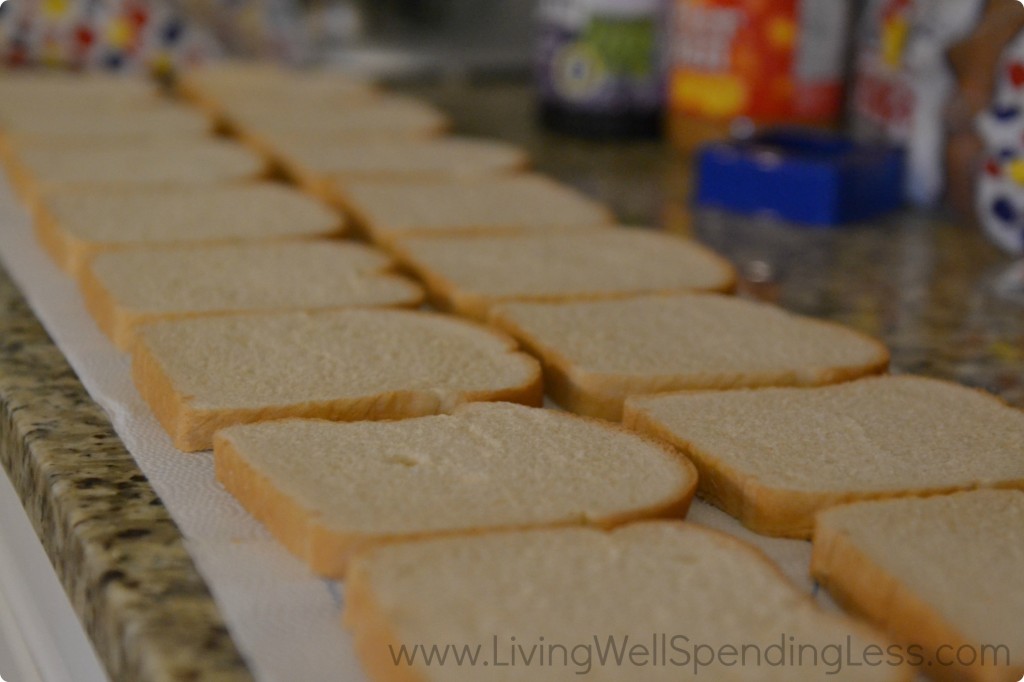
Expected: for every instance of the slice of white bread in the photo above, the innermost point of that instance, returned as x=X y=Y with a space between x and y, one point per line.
x=327 y=490
x=203 y=374
x=57 y=110
x=216 y=86
x=325 y=168
x=55 y=90
x=13 y=144
x=102 y=124
x=36 y=171
x=774 y=457
x=125 y=289
x=598 y=353
x=260 y=122
x=68 y=128
x=74 y=225
x=470 y=275
x=271 y=142
x=390 y=210
x=698 y=604
x=943 y=574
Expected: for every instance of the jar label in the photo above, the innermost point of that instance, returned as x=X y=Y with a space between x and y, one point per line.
x=768 y=61
x=600 y=59
x=883 y=96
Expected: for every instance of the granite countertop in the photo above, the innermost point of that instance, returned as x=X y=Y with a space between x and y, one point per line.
x=112 y=543
x=932 y=289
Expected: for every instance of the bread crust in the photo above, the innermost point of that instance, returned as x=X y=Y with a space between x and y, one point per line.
x=863 y=587
x=113 y=320
x=764 y=509
x=604 y=394
x=158 y=392
x=312 y=183
x=68 y=252
x=374 y=634
x=284 y=518
x=23 y=183
x=360 y=222
x=186 y=89
x=12 y=166
x=7 y=151
x=328 y=552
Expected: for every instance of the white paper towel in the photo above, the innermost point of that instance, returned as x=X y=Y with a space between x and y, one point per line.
x=285 y=621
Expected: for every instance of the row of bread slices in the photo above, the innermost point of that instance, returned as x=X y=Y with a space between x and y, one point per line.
x=773 y=457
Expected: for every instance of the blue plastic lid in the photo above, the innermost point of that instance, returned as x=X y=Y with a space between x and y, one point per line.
x=801 y=176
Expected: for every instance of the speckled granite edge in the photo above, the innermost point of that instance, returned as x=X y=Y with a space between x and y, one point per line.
x=115 y=548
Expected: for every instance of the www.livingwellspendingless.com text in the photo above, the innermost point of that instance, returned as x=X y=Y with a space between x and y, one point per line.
x=663 y=650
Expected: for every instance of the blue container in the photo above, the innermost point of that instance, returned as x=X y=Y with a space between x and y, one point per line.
x=801 y=176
